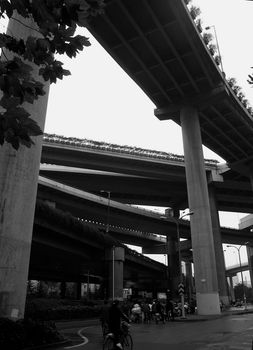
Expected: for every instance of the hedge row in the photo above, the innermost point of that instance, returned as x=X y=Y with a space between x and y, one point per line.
x=23 y=334
x=57 y=309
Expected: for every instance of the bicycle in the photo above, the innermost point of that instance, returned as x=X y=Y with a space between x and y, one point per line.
x=125 y=339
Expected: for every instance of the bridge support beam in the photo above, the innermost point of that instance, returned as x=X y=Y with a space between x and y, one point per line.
x=116 y=257
x=201 y=225
x=173 y=266
x=231 y=288
x=250 y=262
x=19 y=172
x=219 y=255
x=251 y=179
x=63 y=289
x=189 y=280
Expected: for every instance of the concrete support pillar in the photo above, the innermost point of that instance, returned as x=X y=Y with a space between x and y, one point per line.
x=18 y=188
x=63 y=289
x=231 y=288
x=201 y=226
x=250 y=262
x=251 y=180
x=189 y=279
x=116 y=257
x=218 y=248
x=173 y=266
x=78 y=290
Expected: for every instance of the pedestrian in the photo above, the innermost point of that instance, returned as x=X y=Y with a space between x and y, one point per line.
x=136 y=313
x=159 y=314
x=170 y=310
x=146 y=312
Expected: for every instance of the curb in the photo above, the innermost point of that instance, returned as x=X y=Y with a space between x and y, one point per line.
x=214 y=317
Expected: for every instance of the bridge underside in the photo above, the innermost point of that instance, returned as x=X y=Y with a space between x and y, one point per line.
x=64 y=249
x=158 y=44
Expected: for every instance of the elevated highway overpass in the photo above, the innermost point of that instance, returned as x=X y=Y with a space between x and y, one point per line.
x=74 y=172
x=137 y=176
x=235 y=269
x=159 y=46
x=66 y=249
x=131 y=225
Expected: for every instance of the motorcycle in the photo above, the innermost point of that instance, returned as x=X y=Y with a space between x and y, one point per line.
x=178 y=309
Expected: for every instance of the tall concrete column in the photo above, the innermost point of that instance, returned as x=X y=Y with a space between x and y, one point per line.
x=18 y=188
x=250 y=262
x=201 y=225
x=63 y=289
x=189 y=279
x=251 y=180
x=231 y=288
x=116 y=257
x=173 y=265
x=78 y=290
x=218 y=248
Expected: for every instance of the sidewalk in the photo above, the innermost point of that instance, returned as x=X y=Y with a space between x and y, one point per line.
x=227 y=312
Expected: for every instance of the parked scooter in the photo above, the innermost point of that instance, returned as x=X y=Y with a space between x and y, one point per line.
x=159 y=317
x=178 y=309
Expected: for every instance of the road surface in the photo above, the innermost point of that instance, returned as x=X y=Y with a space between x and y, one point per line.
x=233 y=332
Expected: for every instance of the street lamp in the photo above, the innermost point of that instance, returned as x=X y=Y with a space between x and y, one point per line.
x=179 y=256
x=113 y=271
x=240 y=263
x=107 y=231
x=217 y=43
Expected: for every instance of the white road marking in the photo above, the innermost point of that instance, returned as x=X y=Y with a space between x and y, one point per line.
x=85 y=340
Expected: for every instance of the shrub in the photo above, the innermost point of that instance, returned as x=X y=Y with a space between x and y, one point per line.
x=199 y=25
x=58 y=309
x=207 y=37
x=194 y=12
x=27 y=333
x=12 y=335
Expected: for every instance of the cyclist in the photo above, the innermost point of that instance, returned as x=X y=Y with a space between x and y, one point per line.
x=114 y=322
x=104 y=317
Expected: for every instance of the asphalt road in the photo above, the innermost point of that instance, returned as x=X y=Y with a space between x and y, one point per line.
x=227 y=332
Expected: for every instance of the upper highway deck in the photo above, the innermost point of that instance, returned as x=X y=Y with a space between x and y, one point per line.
x=157 y=43
x=137 y=176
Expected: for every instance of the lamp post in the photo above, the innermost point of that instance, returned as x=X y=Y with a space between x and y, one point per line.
x=179 y=258
x=106 y=232
x=218 y=48
x=240 y=263
x=113 y=271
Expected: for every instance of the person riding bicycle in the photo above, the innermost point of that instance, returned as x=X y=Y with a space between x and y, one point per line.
x=104 y=316
x=114 y=322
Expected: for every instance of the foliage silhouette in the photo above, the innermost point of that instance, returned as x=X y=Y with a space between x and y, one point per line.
x=56 y=21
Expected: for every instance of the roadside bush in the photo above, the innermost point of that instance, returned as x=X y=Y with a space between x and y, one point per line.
x=57 y=309
x=12 y=335
x=27 y=333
